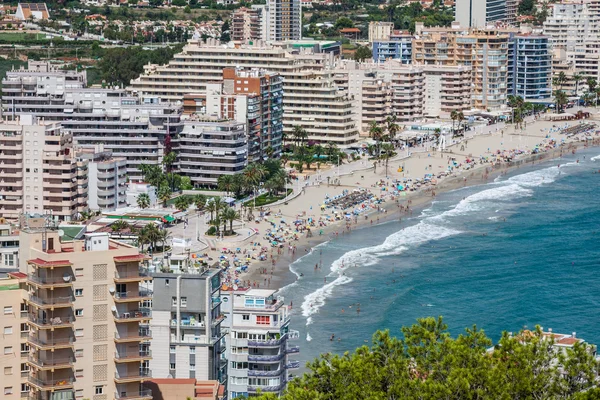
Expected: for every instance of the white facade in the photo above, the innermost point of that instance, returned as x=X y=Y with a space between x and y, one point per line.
x=379 y=30
x=257 y=344
x=9 y=247
x=135 y=189
x=107 y=181
x=478 y=13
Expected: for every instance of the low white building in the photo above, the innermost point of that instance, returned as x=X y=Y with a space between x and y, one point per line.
x=135 y=189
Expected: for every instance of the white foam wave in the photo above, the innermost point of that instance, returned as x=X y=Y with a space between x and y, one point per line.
x=308 y=337
x=595 y=158
x=314 y=301
x=540 y=176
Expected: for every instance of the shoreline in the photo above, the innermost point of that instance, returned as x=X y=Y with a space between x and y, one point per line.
x=283 y=276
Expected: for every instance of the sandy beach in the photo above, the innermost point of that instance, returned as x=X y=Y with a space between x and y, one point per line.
x=321 y=211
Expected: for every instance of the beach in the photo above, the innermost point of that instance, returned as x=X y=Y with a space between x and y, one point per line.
x=286 y=232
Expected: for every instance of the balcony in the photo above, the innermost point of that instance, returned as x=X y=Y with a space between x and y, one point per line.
x=139 y=395
x=136 y=376
x=57 y=363
x=263 y=389
x=293 y=365
x=292 y=350
x=141 y=335
x=50 y=384
x=265 y=373
x=265 y=358
x=267 y=343
x=50 y=343
x=123 y=357
x=132 y=276
x=218 y=320
x=51 y=323
x=134 y=315
x=54 y=302
x=134 y=295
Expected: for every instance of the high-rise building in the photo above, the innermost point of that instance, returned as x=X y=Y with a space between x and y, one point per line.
x=258 y=348
x=284 y=20
x=397 y=46
x=485 y=51
x=379 y=30
x=39 y=170
x=252 y=97
x=14 y=357
x=530 y=67
x=512 y=10
x=208 y=147
x=88 y=314
x=107 y=176
x=447 y=89
x=131 y=129
x=479 y=13
x=310 y=98
x=249 y=23
x=187 y=337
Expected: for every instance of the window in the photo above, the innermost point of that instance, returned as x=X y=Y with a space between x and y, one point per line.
x=79 y=393
x=78 y=332
x=263 y=320
x=9 y=260
x=99 y=389
x=8 y=350
x=8 y=390
x=78 y=373
x=174 y=301
x=24 y=348
x=172 y=349
x=79 y=353
x=192 y=350
x=241 y=335
x=24 y=388
x=246 y=317
x=7 y=310
x=184 y=302
x=78 y=272
x=192 y=367
x=172 y=366
x=8 y=330
x=78 y=292
x=24 y=328
x=24 y=367
x=7 y=370
x=79 y=312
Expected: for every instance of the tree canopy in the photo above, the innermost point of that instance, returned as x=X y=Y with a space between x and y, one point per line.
x=428 y=364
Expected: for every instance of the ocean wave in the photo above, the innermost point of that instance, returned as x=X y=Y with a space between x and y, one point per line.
x=314 y=301
x=595 y=158
x=539 y=177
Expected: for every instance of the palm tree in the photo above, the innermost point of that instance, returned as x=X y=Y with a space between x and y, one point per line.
x=388 y=150
x=163 y=236
x=299 y=134
x=229 y=214
x=376 y=133
x=461 y=118
x=392 y=127
x=164 y=194
x=453 y=117
x=577 y=77
x=200 y=202
x=238 y=186
x=182 y=203
x=269 y=151
x=211 y=207
x=143 y=200
x=119 y=225
x=225 y=183
x=560 y=98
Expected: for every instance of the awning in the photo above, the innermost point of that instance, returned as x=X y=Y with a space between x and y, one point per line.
x=168 y=218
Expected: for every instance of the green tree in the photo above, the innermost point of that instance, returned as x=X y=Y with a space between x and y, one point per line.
x=143 y=200
x=225 y=183
x=561 y=99
x=527 y=7
x=200 y=202
x=182 y=203
x=363 y=53
x=343 y=22
x=225 y=35
x=164 y=194
x=229 y=214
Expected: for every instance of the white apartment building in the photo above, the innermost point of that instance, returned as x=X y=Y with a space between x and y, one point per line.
x=310 y=96
x=9 y=247
x=39 y=172
x=188 y=341
x=88 y=312
x=107 y=177
x=129 y=128
x=209 y=147
x=447 y=89
x=379 y=30
x=258 y=348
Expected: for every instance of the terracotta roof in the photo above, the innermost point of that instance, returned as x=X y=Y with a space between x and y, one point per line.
x=173 y=381
x=136 y=257
x=568 y=341
x=350 y=30
x=17 y=275
x=44 y=263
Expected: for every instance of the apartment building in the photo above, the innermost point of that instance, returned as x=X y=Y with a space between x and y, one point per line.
x=284 y=20
x=209 y=147
x=485 y=51
x=39 y=171
x=447 y=89
x=398 y=46
x=14 y=367
x=131 y=129
x=512 y=10
x=187 y=336
x=249 y=23
x=107 y=177
x=380 y=30
x=252 y=97
x=310 y=98
x=9 y=247
x=88 y=313
x=480 y=13
x=530 y=67
x=258 y=348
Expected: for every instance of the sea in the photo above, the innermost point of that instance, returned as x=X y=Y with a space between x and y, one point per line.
x=520 y=251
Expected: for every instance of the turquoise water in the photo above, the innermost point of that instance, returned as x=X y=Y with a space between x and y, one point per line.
x=517 y=252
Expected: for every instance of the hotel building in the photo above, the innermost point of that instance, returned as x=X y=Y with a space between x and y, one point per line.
x=107 y=177
x=249 y=23
x=258 y=347
x=88 y=316
x=284 y=20
x=39 y=171
x=530 y=67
